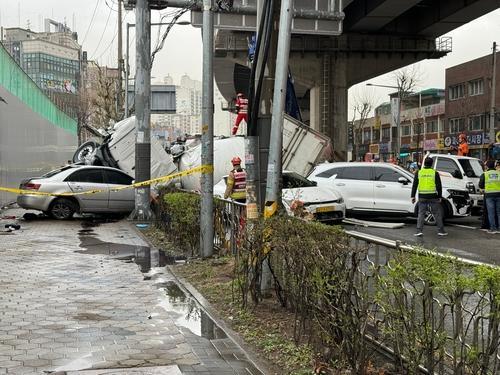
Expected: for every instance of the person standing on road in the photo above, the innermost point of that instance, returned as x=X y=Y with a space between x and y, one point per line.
x=242 y=112
x=490 y=183
x=428 y=184
x=236 y=182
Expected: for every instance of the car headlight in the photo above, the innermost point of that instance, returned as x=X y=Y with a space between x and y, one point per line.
x=470 y=186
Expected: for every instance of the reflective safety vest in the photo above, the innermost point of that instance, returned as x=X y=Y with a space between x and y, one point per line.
x=427 y=181
x=242 y=105
x=240 y=185
x=492 y=181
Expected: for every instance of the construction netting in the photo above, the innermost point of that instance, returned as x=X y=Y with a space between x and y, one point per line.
x=17 y=82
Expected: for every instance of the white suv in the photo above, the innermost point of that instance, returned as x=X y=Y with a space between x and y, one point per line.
x=384 y=189
x=463 y=170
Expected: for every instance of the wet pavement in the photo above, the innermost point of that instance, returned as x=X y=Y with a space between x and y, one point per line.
x=91 y=295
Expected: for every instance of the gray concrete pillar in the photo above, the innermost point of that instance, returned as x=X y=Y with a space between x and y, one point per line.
x=315 y=108
x=337 y=129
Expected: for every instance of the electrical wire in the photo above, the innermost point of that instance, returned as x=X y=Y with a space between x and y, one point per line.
x=102 y=35
x=91 y=21
x=107 y=49
x=175 y=18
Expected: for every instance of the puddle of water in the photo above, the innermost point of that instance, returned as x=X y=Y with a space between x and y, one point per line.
x=190 y=314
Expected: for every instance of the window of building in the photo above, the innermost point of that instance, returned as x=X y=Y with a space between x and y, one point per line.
x=406 y=130
x=418 y=128
x=456 y=125
x=476 y=87
x=457 y=91
x=386 y=132
x=477 y=122
x=431 y=127
x=366 y=135
x=376 y=135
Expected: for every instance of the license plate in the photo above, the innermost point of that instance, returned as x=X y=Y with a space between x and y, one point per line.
x=325 y=209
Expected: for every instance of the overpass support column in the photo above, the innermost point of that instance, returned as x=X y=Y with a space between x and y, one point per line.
x=315 y=108
x=337 y=124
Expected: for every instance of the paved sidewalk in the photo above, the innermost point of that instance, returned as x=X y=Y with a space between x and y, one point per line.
x=68 y=304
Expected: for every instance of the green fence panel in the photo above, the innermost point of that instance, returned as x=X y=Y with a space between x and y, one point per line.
x=16 y=81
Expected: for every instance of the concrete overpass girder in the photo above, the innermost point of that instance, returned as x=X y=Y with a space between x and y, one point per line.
x=437 y=17
x=372 y=15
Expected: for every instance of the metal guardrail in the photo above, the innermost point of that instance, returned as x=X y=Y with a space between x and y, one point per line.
x=465 y=318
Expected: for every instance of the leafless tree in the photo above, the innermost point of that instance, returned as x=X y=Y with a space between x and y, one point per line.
x=363 y=106
x=103 y=100
x=407 y=79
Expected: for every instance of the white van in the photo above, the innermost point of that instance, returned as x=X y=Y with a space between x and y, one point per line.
x=462 y=169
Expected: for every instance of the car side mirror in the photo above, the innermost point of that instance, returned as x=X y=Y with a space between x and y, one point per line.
x=403 y=180
x=456 y=173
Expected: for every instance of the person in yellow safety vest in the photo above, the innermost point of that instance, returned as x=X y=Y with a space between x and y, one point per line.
x=428 y=184
x=236 y=182
x=490 y=182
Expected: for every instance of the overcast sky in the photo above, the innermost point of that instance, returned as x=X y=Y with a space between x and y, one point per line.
x=182 y=51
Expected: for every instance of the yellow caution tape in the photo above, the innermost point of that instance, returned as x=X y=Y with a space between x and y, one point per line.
x=200 y=169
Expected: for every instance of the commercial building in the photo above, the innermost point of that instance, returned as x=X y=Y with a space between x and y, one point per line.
x=187 y=119
x=52 y=59
x=421 y=128
x=468 y=104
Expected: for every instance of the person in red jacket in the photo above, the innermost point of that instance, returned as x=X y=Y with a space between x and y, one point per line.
x=242 y=111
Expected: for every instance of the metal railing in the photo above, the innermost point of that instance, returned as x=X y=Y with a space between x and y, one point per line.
x=465 y=320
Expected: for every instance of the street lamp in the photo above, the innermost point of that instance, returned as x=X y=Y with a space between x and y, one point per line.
x=398 y=118
x=127 y=67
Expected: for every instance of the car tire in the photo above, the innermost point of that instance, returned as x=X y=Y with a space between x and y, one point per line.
x=63 y=209
x=84 y=152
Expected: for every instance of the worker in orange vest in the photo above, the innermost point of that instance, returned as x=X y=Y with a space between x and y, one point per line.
x=463 y=146
x=242 y=112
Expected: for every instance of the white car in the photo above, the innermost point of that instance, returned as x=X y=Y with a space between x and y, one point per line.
x=77 y=179
x=324 y=203
x=384 y=189
x=464 y=170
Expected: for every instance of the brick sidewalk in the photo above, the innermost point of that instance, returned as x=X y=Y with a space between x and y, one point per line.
x=63 y=310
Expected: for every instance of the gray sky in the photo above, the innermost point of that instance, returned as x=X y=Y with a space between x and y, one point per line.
x=182 y=51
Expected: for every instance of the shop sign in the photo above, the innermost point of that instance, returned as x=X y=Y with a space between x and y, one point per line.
x=384 y=148
x=473 y=139
x=378 y=122
x=431 y=144
x=374 y=149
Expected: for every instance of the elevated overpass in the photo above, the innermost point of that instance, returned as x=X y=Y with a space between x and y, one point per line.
x=379 y=36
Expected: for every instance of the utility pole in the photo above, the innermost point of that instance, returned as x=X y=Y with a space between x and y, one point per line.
x=493 y=94
x=142 y=86
x=207 y=137
x=120 y=58
x=127 y=71
x=274 y=166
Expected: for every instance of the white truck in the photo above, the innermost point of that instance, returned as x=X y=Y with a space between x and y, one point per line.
x=302 y=149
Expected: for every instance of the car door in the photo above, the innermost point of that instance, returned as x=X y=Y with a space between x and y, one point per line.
x=355 y=184
x=87 y=179
x=390 y=194
x=121 y=200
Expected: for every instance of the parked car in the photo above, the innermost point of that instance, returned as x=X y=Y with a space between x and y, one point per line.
x=384 y=189
x=464 y=170
x=78 y=178
x=325 y=204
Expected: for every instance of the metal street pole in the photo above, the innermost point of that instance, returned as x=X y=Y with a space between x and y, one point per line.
x=143 y=110
x=207 y=138
x=398 y=126
x=120 y=57
x=274 y=166
x=493 y=94
x=127 y=71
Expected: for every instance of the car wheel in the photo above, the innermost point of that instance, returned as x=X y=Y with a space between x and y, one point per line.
x=63 y=209
x=85 y=152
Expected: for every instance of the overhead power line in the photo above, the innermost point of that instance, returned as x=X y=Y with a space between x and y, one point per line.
x=91 y=21
x=103 y=33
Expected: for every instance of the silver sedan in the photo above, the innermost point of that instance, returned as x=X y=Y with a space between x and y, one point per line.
x=76 y=179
